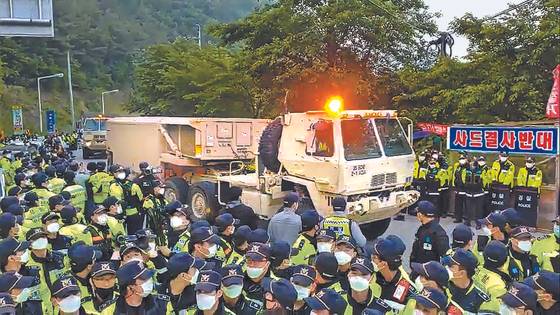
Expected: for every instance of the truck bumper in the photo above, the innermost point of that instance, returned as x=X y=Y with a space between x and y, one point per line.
x=371 y=209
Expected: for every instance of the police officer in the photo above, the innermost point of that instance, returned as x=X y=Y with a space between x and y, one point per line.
x=54 y=184
x=130 y=195
x=396 y=286
x=341 y=225
x=458 y=181
x=503 y=170
x=66 y=296
x=115 y=216
x=101 y=235
x=346 y=250
x=490 y=277
x=519 y=298
x=204 y=244
x=14 y=255
x=521 y=263
x=183 y=270
x=225 y=223
x=209 y=293
x=154 y=208
x=135 y=291
x=435 y=180
x=47 y=264
x=547 y=249
x=245 y=214
x=240 y=242
x=146 y=178
x=360 y=293
x=40 y=182
x=303 y=279
x=306 y=242
x=258 y=267
x=280 y=259
x=259 y=236
x=431 y=242
x=57 y=242
x=99 y=182
x=530 y=175
x=513 y=219
x=462 y=237
x=232 y=286
x=91 y=168
x=430 y=301
x=430 y=274
x=327 y=272
x=493 y=228
x=9 y=225
x=19 y=288
x=82 y=257
x=419 y=175
x=465 y=296
x=103 y=278
x=178 y=235
x=72 y=227
x=474 y=192
x=327 y=301
x=547 y=286
x=78 y=195
x=280 y=295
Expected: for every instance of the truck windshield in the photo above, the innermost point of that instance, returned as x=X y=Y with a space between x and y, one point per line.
x=95 y=125
x=392 y=137
x=358 y=136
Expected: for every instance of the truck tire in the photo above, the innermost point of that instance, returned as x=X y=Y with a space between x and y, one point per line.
x=202 y=201
x=375 y=229
x=268 y=145
x=178 y=189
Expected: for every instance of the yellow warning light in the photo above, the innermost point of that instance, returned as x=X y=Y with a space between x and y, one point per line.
x=334 y=105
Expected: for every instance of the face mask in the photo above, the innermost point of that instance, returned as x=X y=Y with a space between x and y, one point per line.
x=556 y=230
x=254 y=272
x=418 y=284
x=152 y=245
x=421 y=158
x=342 y=258
x=119 y=209
x=175 y=222
x=358 y=283
x=24 y=258
x=102 y=219
x=147 y=287
x=417 y=312
x=529 y=165
x=302 y=292
x=104 y=294
x=324 y=247
x=481 y=163
x=159 y=191
x=70 y=304
x=121 y=176
x=503 y=159
x=435 y=156
x=205 y=302
x=486 y=231
x=23 y=296
x=233 y=291
x=212 y=250
x=375 y=267
x=450 y=272
x=53 y=227
x=524 y=246
x=232 y=229
x=40 y=243
x=506 y=310
x=462 y=161
x=432 y=166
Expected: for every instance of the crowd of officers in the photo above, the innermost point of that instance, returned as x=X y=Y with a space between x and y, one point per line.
x=94 y=241
x=472 y=181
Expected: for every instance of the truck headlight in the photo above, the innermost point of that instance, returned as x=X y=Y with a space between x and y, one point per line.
x=88 y=143
x=359 y=207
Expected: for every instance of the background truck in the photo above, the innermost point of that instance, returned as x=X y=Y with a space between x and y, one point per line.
x=94 y=134
x=363 y=156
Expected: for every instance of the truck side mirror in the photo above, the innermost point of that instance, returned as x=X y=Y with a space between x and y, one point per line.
x=310 y=143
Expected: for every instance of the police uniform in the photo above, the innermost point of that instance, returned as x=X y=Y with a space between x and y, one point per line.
x=223 y=221
x=328 y=299
x=71 y=228
x=435 y=178
x=186 y=300
x=307 y=247
x=491 y=277
x=458 y=178
x=101 y=236
x=521 y=264
x=80 y=257
x=77 y=196
x=66 y=286
x=232 y=275
x=364 y=266
x=530 y=177
x=103 y=305
x=431 y=242
x=547 y=248
x=155 y=216
x=130 y=196
x=253 y=291
x=99 y=183
x=503 y=172
x=14 y=280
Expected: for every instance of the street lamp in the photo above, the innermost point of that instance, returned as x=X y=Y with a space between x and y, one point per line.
x=199 y=35
x=58 y=75
x=103 y=99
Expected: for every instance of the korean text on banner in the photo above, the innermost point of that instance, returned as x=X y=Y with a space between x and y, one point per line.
x=17 y=119
x=516 y=140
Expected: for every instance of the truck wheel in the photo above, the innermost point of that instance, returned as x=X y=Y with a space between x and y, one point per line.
x=375 y=229
x=177 y=189
x=268 y=145
x=202 y=201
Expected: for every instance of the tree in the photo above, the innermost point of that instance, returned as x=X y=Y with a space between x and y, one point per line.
x=506 y=75
x=312 y=49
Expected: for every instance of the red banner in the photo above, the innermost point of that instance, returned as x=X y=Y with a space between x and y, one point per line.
x=438 y=129
x=553 y=106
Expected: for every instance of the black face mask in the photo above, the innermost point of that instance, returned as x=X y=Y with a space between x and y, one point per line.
x=104 y=294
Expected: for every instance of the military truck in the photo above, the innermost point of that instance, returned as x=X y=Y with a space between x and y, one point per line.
x=94 y=135
x=362 y=155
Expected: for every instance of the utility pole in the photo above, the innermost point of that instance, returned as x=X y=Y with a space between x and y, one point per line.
x=70 y=90
x=199 y=35
x=103 y=99
x=58 y=75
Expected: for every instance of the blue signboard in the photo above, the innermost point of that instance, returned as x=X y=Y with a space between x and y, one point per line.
x=516 y=140
x=51 y=121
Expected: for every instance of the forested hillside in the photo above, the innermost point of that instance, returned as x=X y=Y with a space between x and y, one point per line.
x=102 y=36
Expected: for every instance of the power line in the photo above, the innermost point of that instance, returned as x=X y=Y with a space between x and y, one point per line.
x=511 y=8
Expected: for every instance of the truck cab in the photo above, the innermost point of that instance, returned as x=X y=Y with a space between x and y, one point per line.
x=94 y=136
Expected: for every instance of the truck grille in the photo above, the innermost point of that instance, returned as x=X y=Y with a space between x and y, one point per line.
x=377 y=180
x=101 y=137
x=391 y=178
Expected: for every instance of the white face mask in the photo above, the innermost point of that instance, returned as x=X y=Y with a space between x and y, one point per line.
x=324 y=247
x=481 y=163
x=418 y=284
x=506 y=310
x=417 y=312
x=486 y=231
x=23 y=296
x=205 y=302
x=121 y=176
x=70 y=304
x=342 y=258
x=147 y=287
x=529 y=165
x=176 y=222
x=53 y=227
x=524 y=246
x=102 y=219
x=194 y=278
x=40 y=243
x=462 y=161
x=435 y=156
x=119 y=209
x=503 y=158
x=375 y=267
x=302 y=292
x=233 y=291
x=255 y=272
x=450 y=272
x=24 y=258
x=358 y=283
x=421 y=158
x=212 y=250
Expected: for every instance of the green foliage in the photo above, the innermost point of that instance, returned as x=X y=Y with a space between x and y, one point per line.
x=505 y=77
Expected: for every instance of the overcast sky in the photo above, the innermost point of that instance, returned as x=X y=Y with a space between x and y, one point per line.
x=455 y=8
